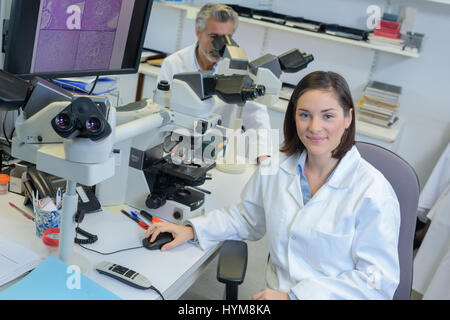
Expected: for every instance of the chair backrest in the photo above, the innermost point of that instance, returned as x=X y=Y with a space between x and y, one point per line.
x=405 y=183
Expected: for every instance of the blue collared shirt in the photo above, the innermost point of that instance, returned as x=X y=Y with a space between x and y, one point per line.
x=306 y=192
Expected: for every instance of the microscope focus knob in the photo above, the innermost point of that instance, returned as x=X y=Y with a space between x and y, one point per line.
x=154 y=202
x=177 y=215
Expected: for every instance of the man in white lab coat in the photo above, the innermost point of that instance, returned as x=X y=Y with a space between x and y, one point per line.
x=332 y=220
x=217 y=20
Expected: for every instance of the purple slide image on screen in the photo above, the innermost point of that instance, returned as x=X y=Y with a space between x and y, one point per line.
x=56 y=50
x=101 y=15
x=94 y=50
x=62 y=14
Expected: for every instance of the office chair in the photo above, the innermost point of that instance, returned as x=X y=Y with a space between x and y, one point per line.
x=405 y=183
x=233 y=254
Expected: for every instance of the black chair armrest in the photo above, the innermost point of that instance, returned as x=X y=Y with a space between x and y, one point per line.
x=232 y=265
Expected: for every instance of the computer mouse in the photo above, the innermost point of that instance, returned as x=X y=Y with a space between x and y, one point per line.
x=160 y=240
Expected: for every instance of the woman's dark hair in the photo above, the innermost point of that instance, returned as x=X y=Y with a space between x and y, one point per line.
x=319 y=80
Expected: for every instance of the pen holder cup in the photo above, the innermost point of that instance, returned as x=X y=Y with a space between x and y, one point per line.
x=46 y=220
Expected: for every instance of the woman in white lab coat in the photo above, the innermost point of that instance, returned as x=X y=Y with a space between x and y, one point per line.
x=332 y=220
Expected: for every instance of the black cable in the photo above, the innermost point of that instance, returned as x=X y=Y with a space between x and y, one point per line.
x=12 y=133
x=102 y=253
x=4 y=130
x=93 y=86
x=157 y=291
x=14 y=129
x=108 y=253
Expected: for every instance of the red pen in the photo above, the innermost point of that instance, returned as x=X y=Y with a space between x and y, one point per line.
x=140 y=223
x=26 y=215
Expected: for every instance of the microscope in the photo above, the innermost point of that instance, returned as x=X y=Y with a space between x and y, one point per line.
x=65 y=135
x=266 y=71
x=166 y=165
x=161 y=169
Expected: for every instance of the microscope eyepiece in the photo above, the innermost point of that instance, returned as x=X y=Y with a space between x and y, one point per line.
x=82 y=118
x=94 y=125
x=65 y=121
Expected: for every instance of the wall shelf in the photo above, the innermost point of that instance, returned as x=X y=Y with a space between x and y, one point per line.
x=191 y=12
x=440 y=1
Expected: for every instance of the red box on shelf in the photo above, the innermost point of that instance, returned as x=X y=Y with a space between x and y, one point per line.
x=387 y=29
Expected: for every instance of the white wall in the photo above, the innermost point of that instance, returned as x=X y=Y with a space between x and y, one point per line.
x=425 y=104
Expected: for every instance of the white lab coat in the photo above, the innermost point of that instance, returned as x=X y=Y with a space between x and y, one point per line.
x=438 y=181
x=254 y=115
x=341 y=245
x=432 y=262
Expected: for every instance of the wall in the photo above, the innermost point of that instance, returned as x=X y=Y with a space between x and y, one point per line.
x=425 y=103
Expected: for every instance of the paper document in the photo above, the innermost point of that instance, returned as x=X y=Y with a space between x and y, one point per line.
x=15 y=260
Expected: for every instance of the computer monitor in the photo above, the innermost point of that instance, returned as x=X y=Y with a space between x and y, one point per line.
x=72 y=38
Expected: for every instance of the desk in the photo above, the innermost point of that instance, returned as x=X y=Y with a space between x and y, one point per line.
x=145 y=86
x=172 y=272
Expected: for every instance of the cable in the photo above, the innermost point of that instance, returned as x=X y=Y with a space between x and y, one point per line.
x=93 y=86
x=157 y=291
x=12 y=133
x=108 y=253
x=4 y=130
x=102 y=253
x=14 y=129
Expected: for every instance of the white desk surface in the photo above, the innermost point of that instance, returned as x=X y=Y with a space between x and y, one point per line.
x=149 y=70
x=172 y=272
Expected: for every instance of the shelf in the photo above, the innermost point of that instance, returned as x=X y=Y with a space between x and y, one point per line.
x=440 y=1
x=377 y=132
x=191 y=12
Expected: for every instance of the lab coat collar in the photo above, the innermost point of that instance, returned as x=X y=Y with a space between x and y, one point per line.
x=289 y=165
x=343 y=174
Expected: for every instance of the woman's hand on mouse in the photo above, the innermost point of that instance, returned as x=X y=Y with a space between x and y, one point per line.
x=181 y=234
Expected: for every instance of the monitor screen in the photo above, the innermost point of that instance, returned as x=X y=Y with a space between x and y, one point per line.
x=71 y=38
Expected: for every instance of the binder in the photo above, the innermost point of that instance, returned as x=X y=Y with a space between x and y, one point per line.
x=51 y=280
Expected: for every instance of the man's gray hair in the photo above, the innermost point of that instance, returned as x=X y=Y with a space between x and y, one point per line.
x=218 y=12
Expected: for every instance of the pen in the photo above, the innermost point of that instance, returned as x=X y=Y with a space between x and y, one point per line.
x=26 y=215
x=152 y=219
x=140 y=223
x=149 y=217
x=135 y=215
x=58 y=198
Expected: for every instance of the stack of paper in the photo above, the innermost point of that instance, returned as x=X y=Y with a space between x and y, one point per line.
x=397 y=43
x=15 y=260
x=379 y=104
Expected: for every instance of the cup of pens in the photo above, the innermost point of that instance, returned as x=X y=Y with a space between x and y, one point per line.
x=48 y=214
